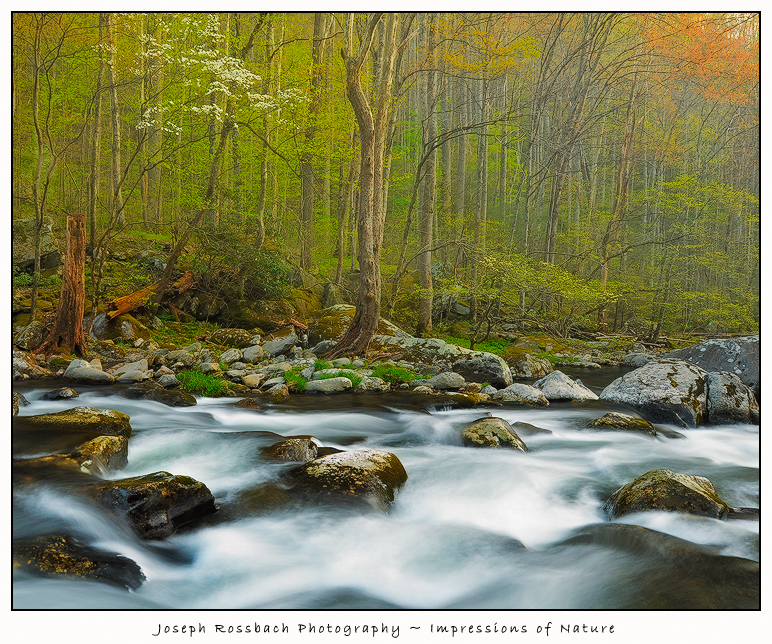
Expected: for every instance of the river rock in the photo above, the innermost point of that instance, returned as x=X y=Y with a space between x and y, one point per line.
x=253 y=380
x=157 y=504
x=209 y=367
x=636 y=359
x=299 y=448
x=63 y=393
x=670 y=491
x=662 y=572
x=280 y=346
x=278 y=393
x=730 y=400
x=667 y=391
x=521 y=394
x=329 y=385
x=24 y=366
x=230 y=356
x=181 y=357
x=529 y=366
x=528 y=429
x=83 y=372
x=373 y=384
x=64 y=556
x=170 y=397
x=616 y=420
x=558 y=386
x=491 y=432
x=253 y=353
x=97 y=457
x=740 y=356
x=168 y=381
x=370 y=476
x=97 y=422
x=446 y=380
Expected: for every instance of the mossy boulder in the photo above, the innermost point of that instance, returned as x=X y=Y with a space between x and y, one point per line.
x=666 y=391
x=30 y=336
x=17 y=400
x=158 y=504
x=331 y=323
x=491 y=432
x=99 y=456
x=236 y=338
x=64 y=556
x=306 y=302
x=81 y=420
x=123 y=327
x=369 y=477
x=669 y=491
x=616 y=420
x=299 y=448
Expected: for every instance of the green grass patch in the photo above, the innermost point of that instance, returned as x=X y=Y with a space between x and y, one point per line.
x=205 y=384
x=553 y=359
x=295 y=380
x=393 y=374
x=180 y=334
x=320 y=365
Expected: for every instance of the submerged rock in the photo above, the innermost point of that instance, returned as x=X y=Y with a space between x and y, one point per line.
x=157 y=504
x=668 y=391
x=558 y=386
x=665 y=572
x=491 y=432
x=616 y=420
x=670 y=491
x=369 y=476
x=63 y=556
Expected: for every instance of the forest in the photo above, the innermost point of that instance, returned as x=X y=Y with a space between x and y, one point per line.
x=581 y=172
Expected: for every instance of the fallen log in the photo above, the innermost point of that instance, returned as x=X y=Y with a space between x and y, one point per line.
x=128 y=303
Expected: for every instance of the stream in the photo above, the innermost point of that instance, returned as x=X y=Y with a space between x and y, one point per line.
x=471 y=528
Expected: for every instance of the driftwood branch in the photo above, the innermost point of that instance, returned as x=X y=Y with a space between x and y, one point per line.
x=128 y=303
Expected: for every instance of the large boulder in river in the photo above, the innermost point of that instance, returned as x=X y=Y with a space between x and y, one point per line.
x=298 y=448
x=367 y=476
x=667 y=391
x=670 y=491
x=730 y=400
x=99 y=456
x=81 y=421
x=741 y=356
x=63 y=556
x=558 y=386
x=157 y=504
x=491 y=432
x=527 y=366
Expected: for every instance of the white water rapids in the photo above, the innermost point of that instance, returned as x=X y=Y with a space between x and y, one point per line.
x=450 y=540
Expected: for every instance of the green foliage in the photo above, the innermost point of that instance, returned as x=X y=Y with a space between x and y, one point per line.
x=19 y=278
x=295 y=380
x=553 y=359
x=497 y=346
x=205 y=384
x=320 y=364
x=178 y=334
x=393 y=374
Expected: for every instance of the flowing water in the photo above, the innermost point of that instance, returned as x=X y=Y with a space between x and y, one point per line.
x=472 y=528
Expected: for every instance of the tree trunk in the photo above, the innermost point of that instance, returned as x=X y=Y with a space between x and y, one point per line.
x=116 y=210
x=93 y=183
x=66 y=336
x=307 y=159
x=428 y=195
